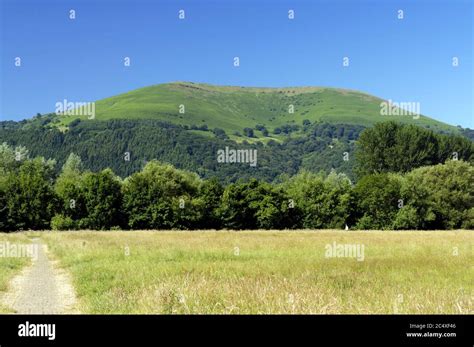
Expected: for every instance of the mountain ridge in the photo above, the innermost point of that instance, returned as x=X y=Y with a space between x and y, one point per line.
x=235 y=108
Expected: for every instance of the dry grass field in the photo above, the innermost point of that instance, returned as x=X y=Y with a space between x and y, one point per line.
x=268 y=271
x=260 y=271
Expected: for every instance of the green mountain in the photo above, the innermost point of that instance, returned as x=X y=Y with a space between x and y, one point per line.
x=279 y=110
x=147 y=124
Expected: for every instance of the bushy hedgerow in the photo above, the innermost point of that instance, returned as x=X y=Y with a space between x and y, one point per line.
x=163 y=197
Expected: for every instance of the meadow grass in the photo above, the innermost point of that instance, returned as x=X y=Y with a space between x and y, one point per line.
x=268 y=271
x=10 y=265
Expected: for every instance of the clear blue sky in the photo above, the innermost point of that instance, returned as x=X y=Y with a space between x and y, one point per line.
x=82 y=59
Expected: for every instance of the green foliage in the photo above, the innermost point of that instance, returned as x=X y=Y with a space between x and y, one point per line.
x=262 y=129
x=255 y=205
x=11 y=158
x=456 y=148
x=88 y=200
x=321 y=202
x=377 y=200
x=440 y=196
x=102 y=145
x=210 y=193
x=220 y=133
x=69 y=189
x=248 y=132
x=28 y=196
x=4 y=224
x=407 y=218
x=468 y=222
x=101 y=194
x=61 y=222
x=393 y=147
x=161 y=197
x=73 y=165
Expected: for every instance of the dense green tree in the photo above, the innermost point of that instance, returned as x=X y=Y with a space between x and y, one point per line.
x=210 y=193
x=28 y=196
x=102 y=144
x=4 y=224
x=377 y=199
x=161 y=197
x=321 y=202
x=101 y=193
x=468 y=222
x=73 y=165
x=254 y=205
x=394 y=147
x=220 y=133
x=408 y=218
x=454 y=148
x=438 y=197
x=11 y=158
x=70 y=190
x=248 y=132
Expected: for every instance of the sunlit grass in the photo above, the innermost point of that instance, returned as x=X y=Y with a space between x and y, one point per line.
x=268 y=272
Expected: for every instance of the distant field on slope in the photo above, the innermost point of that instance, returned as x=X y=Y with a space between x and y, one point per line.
x=235 y=108
x=268 y=271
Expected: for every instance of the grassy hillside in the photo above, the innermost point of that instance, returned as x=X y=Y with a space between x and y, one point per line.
x=235 y=108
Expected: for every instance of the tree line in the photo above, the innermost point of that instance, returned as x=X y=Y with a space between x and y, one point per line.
x=404 y=182
x=102 y=144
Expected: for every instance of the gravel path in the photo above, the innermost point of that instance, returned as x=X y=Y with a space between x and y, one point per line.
x=42 y=288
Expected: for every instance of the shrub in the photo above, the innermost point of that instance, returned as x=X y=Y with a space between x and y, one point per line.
x=61 y=222
x=442 y=195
